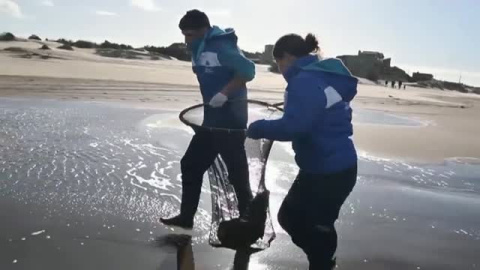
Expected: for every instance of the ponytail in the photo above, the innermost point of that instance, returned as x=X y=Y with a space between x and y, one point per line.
x=311 y=43
x=296 y=45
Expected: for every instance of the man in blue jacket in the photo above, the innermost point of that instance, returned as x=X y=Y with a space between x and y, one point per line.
x=222 y=71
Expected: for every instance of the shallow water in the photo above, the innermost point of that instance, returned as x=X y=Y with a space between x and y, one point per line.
x=91 y=160
x=86 y=158
x=363 y=116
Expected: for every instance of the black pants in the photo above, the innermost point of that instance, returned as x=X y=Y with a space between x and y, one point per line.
x=310 y=210
x=200 y=155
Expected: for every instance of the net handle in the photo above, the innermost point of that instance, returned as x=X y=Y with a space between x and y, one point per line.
x=250 y=101
x=279 y=106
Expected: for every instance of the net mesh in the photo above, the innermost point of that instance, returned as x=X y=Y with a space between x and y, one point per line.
x=227 y=228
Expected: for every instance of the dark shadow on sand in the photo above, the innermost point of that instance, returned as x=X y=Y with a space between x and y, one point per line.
x=185 y=256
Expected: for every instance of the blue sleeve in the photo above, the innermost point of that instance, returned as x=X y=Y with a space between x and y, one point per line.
x=304 y=108
x=231 y=56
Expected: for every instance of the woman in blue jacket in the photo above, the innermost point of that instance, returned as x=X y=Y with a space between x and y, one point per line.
x=318 y=122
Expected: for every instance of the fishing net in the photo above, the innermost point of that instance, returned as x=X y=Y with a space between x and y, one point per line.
x=254 y=229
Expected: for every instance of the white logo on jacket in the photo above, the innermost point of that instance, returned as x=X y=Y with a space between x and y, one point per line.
x=208 y=59
x=333 y=97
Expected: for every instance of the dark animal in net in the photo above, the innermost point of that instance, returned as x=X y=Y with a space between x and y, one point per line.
x=254 y=231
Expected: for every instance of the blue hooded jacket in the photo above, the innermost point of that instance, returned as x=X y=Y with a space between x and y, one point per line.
x=216 y=60
x=317 y=118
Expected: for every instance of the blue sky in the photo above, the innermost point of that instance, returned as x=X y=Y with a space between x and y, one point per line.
x=438 y=36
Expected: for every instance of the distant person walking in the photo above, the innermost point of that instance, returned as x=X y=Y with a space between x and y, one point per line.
x=386 y=83
x=393 y=84
x=399 y=84
x=317 y=120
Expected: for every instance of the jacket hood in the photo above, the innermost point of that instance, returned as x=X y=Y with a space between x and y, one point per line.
x=214 y=33
x=334 y=71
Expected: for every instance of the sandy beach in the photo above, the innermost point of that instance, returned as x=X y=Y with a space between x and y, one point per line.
x=447 y=131
x=90 y=150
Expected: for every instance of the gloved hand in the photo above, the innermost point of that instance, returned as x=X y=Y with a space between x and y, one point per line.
x=218 y=100
x=255 y=130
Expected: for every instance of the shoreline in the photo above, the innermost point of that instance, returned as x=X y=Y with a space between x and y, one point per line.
x=171 y=85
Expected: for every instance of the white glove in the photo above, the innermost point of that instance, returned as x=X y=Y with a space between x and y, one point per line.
x=218 y=100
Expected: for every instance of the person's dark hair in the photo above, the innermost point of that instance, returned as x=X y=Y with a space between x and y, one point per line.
x=194 y=20
x=295 y=45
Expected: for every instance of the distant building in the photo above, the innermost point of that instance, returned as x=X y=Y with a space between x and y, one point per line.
x=373 y=66
x=375 y=55
x=366 y=64
x=421 y=77
x=267 y=56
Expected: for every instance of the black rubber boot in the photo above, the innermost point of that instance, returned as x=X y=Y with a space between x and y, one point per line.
x=327 y=265
x=178 y=221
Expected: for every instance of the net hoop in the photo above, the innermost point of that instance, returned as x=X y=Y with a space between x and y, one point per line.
x=198 y=126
